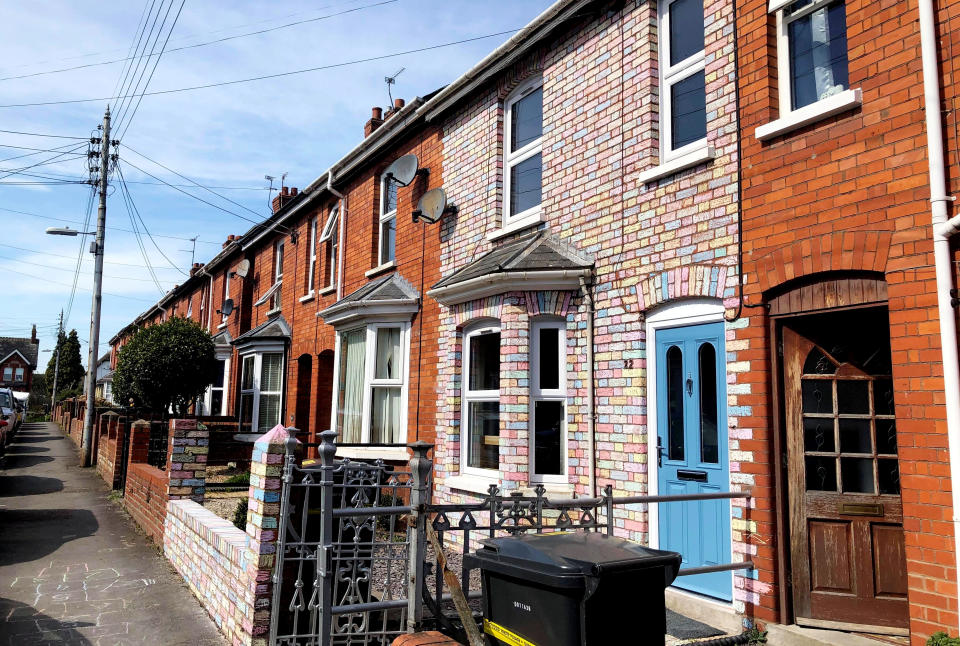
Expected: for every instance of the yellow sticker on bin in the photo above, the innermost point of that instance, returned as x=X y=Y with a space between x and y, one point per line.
x=504 y=635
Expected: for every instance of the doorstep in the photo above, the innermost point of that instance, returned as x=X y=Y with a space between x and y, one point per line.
x=793 y=635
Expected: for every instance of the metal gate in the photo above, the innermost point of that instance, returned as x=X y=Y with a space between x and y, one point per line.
x=354 y=566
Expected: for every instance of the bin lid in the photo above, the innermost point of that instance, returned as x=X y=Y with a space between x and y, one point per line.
x=564 y=559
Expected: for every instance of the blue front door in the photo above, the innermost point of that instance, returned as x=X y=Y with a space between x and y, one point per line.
x=692 y=451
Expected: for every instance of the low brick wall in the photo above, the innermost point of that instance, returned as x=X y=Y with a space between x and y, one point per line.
x=110 y=456
x=146 y=498
x=211 y=556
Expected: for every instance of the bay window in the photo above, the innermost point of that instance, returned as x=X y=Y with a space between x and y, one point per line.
x=683 y=110
x=548 y=400
x=388 y=219
x=372 y=383
x=523 y=162
x=261 y=391
x=214 y=399
x=480 y=400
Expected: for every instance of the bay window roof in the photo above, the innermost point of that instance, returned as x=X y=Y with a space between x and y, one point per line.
x=538 y=261
x=274 y=331
x=389 y=297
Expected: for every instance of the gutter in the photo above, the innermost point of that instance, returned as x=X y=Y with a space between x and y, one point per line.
x=943 y=229
x=562 y=279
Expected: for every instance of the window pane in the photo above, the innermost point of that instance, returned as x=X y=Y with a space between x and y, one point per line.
x=855 y=436
x=269 y=413
x=818 y=434
x=709 y=449
x=271 y=375
x=278 y=266
x=526 y=120
x=247 y=381
x=675 y=403
x=821 y=473
x=388 y=353
x=853 y=396
x=388 y=239
x=525 y=184
x=818 y=55
x=889 y=474
x=686 y=29
x=883 y=397
x=817 y=395
x=857 y=475
x=385 y=421
x=216 y=403
x=548 y=434
x=389 y=188
x=886 y=436
x=246 y=412
x=549 y=358
x=218 y=378
x=688 y=111
x=350 y=391
x=485 y=362
x=483 y=428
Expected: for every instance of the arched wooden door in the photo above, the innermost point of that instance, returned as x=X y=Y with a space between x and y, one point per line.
x=848 y=565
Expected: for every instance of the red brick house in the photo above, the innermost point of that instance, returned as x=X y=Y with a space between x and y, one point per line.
x=840 y=315
x=18 y=360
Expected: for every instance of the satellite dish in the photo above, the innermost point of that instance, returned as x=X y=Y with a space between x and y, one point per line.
x=227 y=308
x=431 y=206
x=243 y=268
x=404 y=169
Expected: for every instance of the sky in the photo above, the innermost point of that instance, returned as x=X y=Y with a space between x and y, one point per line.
x=229 y=136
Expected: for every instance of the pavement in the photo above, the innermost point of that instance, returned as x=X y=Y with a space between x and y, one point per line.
x=74 y=570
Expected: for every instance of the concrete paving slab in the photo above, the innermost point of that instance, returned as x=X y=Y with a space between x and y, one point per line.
x=74 y=570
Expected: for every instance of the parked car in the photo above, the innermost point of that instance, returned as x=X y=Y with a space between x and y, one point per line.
x=8 y=418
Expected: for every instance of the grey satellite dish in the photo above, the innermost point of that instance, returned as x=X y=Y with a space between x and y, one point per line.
x=404 y=169
x=243 y=268
x=431 y=206
x=227 y=308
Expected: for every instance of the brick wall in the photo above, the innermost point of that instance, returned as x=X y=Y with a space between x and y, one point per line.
x=112 y=428
x=145 y=498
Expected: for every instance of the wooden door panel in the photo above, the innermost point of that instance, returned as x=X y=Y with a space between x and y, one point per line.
x=831 y=568
x=889 y=561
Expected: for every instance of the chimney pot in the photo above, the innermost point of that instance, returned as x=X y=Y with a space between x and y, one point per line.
x=377 y=113
x=286 y=191
x=398 y=103
x=293 y=191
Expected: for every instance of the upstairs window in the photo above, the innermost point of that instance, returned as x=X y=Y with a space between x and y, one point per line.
x=331 y=236
x=312 y=257
x=226 y=292
x=523 y=161
x=811 y=52
x=277 y=274
x=388 y=220
x=683 y=97
x=7 y=373
x=19 y=375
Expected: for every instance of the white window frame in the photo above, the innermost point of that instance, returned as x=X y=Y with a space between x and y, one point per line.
x=467 y=396
x=369 y=380
x=207 y=402
x=190 y=307
x=384 y=218
x=255 y=389
x=7 y=373
x=312 y=265
x=331 y=235
x=669 y=76
x=18 y=374
x=276 y=299
x=548 y=394
x=514 y=157
x=783 y=53
x=226 y=294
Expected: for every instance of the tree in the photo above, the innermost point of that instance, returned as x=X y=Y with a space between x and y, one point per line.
x=71 y=373
x=165 y=365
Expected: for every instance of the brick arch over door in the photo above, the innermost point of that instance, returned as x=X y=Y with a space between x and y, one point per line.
x=864 y=251
x=688 y=281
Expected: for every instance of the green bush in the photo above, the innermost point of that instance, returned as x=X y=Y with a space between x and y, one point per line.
x=238 y=479
x=943 y=639
x=240 y=514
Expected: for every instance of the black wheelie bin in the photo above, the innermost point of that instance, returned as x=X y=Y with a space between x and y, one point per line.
x=573 y=589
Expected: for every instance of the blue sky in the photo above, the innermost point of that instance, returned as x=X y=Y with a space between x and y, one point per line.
x=228 y=136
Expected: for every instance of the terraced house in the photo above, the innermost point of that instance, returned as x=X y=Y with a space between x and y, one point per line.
x=664 y=247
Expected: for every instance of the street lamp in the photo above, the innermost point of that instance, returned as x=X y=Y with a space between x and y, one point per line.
x=67 y=231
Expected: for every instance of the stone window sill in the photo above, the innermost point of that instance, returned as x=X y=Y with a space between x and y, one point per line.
x=307 y=298
x=471 y=483
x=810 y=114
x=689 y=160
x=327 y=290
x=387 y=266
x=526 y=222
x=374 y=453
x=275 y=310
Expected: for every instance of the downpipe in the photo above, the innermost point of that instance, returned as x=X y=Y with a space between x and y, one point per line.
x=591 y=389
x=943 y=229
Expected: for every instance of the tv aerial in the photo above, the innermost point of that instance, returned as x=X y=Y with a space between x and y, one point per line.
x=390 y=80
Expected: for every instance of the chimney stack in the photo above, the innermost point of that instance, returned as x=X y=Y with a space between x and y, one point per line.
x=197 y=266
x=33 y=334
x=376 y=120
x=286 y=194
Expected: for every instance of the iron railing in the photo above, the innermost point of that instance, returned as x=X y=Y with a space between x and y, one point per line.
x=354 y=565
x=157 y=446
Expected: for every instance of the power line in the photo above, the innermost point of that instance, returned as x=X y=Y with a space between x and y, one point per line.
x=138 y=55
x=124 y=189
x=47 y=266
x=195 y=45
x=54 y=282
x=55 y=255
x=140 y=23
x=45 y=162
x=272 y=76
x=38 y=134
x=51 y=176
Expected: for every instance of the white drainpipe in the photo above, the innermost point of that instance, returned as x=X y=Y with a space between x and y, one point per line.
x=942 y=230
